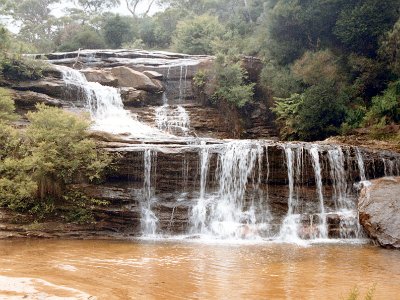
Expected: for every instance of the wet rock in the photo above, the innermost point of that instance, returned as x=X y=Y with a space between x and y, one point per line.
x=133 y=97
x=379 y=209
x=50 y=87
x=104 y=77
x=153 y=75
x=28 y=99
x=131 y=78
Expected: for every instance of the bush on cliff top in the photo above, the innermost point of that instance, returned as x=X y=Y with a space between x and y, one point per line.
x=36 y=166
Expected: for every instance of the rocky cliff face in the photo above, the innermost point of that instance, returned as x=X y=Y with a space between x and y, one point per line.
x=197 y=183
x=151 y=79
x=379 y=207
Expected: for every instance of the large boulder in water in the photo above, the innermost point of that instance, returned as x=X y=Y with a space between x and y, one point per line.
x=131 y=78
x=379 y=208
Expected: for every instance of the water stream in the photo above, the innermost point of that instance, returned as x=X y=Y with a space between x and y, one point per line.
x=234 y=182
x=51 y=269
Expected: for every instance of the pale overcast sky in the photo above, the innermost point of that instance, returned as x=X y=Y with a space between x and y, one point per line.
x=141 y=8
x=58 y=11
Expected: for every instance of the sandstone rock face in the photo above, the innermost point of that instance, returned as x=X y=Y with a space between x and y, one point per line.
x=50 y=87
x=133 y=97
x=130 y=78
x=28 y=99
x=104 y=77
x=153 y=75
x=379 y=208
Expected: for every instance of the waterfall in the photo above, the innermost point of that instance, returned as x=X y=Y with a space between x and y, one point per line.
x=148 y=218
x=338 y=177
x=360 y=163
x=290 y=224
x=105 y=106
x=199 y=211
x=170 y=119
x=227 y=214
x=323 y=229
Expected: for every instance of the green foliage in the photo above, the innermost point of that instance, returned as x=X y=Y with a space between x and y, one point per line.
x=231 y=83
x=280 y=81
x=200 y=79
x=76 y=37
x=77 y=207
x=359 y=27
x=18 y=68
x=386 y=107
x=316 y=67
x=315 y=114
x=287 y=110
x=118 y=30
x=36 y=167
x=195 y=35
x=390 y=49
x=7 y=107
x=60 y=150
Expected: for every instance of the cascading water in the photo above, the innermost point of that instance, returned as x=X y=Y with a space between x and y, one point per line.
x=338 y=177
x=360 y=163
x=148 y=218
x=199 y=211
x=225 y=213
x=174 y=119
x=322 y=228
x=105 y=106
x=233 y=177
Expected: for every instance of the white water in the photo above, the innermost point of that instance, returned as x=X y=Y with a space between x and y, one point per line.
x=149 y=220
x=106 y=108
x=199 y=210
x=174 y=119
x=224 y=213
x=338 y=177
x=231 y=209
x=360 y=163
x=290 y=225
x=323 y=228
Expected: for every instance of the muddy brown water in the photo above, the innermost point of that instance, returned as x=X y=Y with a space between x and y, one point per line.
x=67 y=269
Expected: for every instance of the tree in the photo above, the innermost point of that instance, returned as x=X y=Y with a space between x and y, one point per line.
x=16 y=187
x=385 y=108
x=195 y=35
x=165 y=25
x=316 y=67
x=38 y=25
x=74 y=37
x=97 y=6
x=60 y=151
x=132 y=5
x=118 y=30
x=360 y=27
x=231 y=85
x=390 y=48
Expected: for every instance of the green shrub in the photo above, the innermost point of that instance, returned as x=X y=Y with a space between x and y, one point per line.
x=314 y=115
x=195 y=35
x=231 y=83
x=18 y=68
x=61 y=150
x=386 y=107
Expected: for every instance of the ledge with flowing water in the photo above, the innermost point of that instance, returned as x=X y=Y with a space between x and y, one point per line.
x=166 y=185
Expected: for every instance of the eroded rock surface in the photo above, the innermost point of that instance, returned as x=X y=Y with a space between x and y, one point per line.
x=379 y=208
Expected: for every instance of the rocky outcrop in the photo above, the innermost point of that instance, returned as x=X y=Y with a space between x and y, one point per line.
x=130 y=78
x=379 y=209
x=104 y=77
